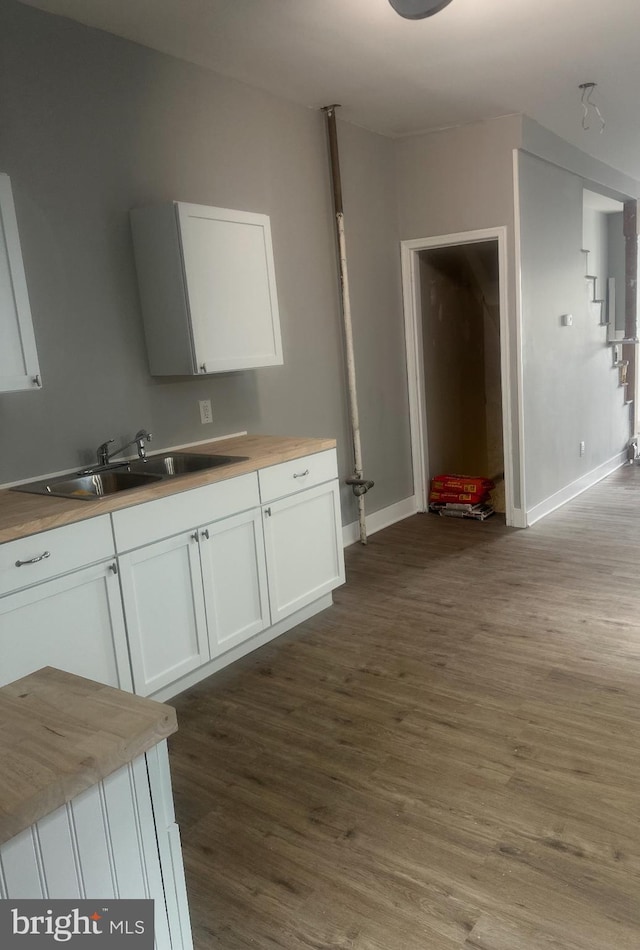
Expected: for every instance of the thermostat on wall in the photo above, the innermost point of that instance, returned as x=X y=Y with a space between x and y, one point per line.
x=567 y=319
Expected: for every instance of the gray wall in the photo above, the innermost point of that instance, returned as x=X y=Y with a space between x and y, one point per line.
x=547 y=145
x=570 y=388
x=93 y=125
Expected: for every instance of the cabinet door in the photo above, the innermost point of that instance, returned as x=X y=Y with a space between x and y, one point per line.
x=235 y=580
x=18 y=357
x=73 y=622
x=164 y=611
x=303 y=541
x=231 y=288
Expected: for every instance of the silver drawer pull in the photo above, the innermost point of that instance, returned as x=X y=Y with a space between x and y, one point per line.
x=301 y=474
x=34 y=560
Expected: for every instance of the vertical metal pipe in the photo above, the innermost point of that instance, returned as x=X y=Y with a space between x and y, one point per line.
x=330 y=112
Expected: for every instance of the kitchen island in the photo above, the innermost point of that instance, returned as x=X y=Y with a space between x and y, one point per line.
x=86 y=808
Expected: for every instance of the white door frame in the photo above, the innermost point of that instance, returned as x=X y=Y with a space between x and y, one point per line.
x=415 y=357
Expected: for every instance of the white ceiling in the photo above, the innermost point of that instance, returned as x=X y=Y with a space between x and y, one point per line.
x=474 y=60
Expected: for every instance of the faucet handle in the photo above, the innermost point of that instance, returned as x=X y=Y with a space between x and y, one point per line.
x=103 y=452
x=139 y=440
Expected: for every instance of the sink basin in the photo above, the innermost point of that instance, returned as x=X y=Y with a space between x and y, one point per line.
x=90 y=486
x=181 y=463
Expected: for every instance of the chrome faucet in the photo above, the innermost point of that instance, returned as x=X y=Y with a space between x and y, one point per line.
x=104 y=455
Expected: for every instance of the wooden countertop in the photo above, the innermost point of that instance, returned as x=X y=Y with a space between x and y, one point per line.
x=23 y=514
x=60 y=734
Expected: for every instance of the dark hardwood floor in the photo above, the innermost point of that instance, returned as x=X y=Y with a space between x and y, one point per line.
x=447 y=758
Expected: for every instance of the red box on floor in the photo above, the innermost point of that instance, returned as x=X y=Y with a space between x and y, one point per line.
x=470 y=484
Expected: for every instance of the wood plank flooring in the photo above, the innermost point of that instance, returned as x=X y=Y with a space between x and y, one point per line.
x=446 y=759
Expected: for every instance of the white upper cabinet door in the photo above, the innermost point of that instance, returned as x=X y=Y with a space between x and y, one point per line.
x=231 y=286
x=18 y=357
x=207 y=289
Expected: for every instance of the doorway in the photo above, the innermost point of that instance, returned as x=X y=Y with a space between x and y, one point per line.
x=455 y=300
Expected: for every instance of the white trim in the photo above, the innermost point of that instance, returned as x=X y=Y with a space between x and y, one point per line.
x=415 y=377
x=415 y=360
x=520 y=521
x=575 y=488
x=378 y=520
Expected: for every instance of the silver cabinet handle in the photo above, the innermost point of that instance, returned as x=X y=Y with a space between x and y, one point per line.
x=267 y=512
x=34 y=560
x=36 y=381
x=203 y=367
x=205 y=534
x=113 y=568
x=195 y=537
x=301 y=474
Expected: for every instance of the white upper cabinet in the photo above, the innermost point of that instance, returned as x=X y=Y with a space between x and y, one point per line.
x=207 y=288
x=18 y=357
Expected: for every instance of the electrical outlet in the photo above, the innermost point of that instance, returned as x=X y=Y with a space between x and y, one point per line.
x=206 y=415
x=582 y=448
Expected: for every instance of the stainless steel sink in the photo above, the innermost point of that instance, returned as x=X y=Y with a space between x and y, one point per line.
x=92 y=484
x=181 y=463
x=89 y=486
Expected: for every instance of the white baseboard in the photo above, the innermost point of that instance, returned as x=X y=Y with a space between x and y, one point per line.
x=575 y=488
x=380 y=519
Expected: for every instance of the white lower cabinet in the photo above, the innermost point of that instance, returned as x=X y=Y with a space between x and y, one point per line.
x=164 y=608
x=196 y=599
x=192 y=597
x=303 y=538
x=74 y=622
x=202 y=573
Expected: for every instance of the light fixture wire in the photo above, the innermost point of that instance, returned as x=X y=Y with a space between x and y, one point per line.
x=586 y=101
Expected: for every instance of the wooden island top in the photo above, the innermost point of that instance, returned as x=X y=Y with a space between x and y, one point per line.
x=22 y=514
x=60 y=734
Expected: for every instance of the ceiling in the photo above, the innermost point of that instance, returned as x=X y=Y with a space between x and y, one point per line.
x=474 y=60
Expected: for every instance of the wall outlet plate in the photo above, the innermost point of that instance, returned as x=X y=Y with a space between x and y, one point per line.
x=206 y=414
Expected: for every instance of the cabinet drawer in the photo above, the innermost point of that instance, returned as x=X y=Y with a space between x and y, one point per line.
x=54 y=552
x=154 y=520
x=277 y=481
